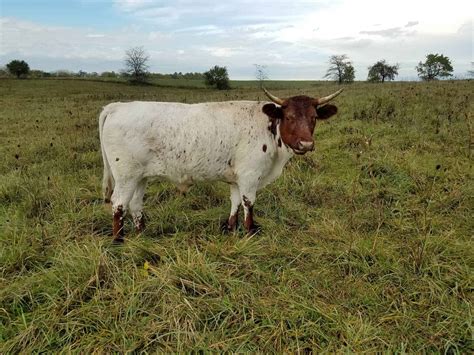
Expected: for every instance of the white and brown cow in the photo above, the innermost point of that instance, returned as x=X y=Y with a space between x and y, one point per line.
x=243 y=143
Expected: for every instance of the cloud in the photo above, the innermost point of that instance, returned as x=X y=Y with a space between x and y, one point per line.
x=411 y=23
x=389 y=32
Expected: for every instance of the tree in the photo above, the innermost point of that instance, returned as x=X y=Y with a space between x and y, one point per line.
x=218 y=77
x=381 y=71
x=18 y=68
x=340 y=69
x=136 y=65
x=436 y=65
x=261 y=73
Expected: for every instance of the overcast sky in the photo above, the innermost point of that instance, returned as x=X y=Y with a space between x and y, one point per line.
x=294 y=39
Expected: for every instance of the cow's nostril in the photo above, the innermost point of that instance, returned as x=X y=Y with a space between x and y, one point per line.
x=306 y=145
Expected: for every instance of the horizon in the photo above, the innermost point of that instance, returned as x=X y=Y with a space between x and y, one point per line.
x=293 y=42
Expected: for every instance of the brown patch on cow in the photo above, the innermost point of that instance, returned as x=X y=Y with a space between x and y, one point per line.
x=117 y=229
x=117 y=159
x=249 y=224
x=232 y=222
x=264 y=148
x=274 y=114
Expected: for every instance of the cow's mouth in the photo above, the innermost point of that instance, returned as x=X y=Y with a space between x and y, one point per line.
x=299 y=152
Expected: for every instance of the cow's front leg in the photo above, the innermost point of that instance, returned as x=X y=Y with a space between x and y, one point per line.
x=136 y=206
x=231 y=224
x=248 y=200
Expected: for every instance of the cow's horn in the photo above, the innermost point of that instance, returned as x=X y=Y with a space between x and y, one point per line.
x=275 y=99
x=323 y=100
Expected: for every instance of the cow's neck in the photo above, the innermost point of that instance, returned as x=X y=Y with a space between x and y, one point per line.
x=283 y=150
x=283 y=154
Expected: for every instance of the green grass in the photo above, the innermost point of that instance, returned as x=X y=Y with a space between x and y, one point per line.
x=366 y=243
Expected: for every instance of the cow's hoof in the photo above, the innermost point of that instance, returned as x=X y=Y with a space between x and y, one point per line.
x=254 y=229
x=226 y=228
x=118 y=241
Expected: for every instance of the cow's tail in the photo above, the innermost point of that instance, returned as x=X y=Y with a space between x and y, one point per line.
x=108 y=179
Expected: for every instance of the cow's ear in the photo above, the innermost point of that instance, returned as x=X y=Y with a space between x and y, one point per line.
x=326 y=111
x=272 y=111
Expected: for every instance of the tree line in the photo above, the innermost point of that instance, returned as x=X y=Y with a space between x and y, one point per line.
x=434 y=67
x=340 y=70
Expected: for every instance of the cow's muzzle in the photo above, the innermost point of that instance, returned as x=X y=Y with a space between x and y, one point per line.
x=304 y=147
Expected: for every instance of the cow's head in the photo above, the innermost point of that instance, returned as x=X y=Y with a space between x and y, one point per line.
x=297 y=117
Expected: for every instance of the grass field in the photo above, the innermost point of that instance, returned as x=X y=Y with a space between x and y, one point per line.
x=367 y=243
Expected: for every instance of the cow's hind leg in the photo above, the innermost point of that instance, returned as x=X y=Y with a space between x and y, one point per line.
x=121 y=197
x=136 y=206
x=231 y=224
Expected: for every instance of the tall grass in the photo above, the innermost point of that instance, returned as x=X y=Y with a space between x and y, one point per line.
x=366 y=243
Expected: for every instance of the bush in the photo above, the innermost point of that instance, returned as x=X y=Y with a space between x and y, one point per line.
x=217 y=77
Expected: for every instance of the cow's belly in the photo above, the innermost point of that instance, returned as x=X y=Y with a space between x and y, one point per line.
x=185 y=169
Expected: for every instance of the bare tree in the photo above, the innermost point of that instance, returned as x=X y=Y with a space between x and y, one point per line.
x=136 y=65
x=340 y=69
x=261 y=73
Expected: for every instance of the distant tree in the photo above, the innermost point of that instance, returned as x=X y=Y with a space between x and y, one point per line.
x=261 y=73
x=218 y=77
x=470 y=73
x=136 y=63
x=108 y=74
x=435 y=65
x=340 y=69
x=62 y=73
x=18 y=68
x=381 y=71
x=36 y=74
x=4 y=72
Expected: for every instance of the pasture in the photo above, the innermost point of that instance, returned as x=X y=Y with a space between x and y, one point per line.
x=366 y=242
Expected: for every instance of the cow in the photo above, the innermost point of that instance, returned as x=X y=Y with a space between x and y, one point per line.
x=243 y=143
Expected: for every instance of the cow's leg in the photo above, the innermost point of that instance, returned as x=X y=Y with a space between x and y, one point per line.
x=136 y=206
x=121 y=197
x=248 y=193
x=231 y=224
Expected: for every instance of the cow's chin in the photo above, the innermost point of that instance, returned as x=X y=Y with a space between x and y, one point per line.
x=299 y=152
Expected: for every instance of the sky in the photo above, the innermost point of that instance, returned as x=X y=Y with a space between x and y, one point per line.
x=293 y=39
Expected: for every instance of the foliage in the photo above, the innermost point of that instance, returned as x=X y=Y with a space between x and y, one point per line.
x=435 y=66
x=19 y=68
x=340 y=69
x=136 y=65
x=218 y=77
x=381 y=71
x=366 y=244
